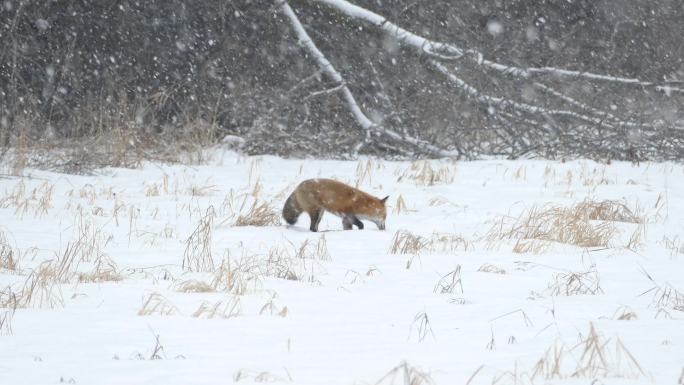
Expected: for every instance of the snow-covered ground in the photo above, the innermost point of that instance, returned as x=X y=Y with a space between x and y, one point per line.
x=151 y=282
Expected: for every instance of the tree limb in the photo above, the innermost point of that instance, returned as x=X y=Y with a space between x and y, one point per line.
x=366 y=124
x=450 y=51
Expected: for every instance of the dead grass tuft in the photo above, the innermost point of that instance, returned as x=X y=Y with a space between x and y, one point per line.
x=271 y=308
x=259 y=376
x=405 y=374
x=194 y=286
x=450 y=283
x=38 y=201
x=598 y=358
x=237 y=278
x=259 y=214
x=423 y=174
x=447 y=243
x=37 y=291
x=400 y=206
x=105 y=270
x=405 y=242
x=624 y=313
x=533 y=246
x=422 y=327
x=674 y=245
x=570 y=225
x=609 y=210
x=157 y=304
x=6 y=322
x=90 y=240
x=197 y=255
x=228 y=308
x=489 y=268
x=575 y=283
x=364 y=173
x=318 y=251
x=665 y=297
x=8 y=258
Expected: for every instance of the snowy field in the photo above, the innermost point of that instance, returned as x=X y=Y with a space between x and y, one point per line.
x=489 y=272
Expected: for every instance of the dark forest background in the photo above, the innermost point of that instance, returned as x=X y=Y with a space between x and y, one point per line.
x=142 y=75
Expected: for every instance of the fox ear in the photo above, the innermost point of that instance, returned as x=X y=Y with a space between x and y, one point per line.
x=383 y=200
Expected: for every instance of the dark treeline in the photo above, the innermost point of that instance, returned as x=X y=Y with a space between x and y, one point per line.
x=74 y=69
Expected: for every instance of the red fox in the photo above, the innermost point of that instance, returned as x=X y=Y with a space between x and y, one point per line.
x=317 y=195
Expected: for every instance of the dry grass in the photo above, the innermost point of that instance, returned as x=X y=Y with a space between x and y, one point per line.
x=447 y=243
x=664 y=297
x=202 y=191
x=421 y=327
x=244 y=275
x=38 y=291
x=259 y=376
x=228 y=308
x=8 y=257
x=637 y=238
x=197 y=255
x=157 y=304
x=194 y=286
x=405 y=374
x=489 y=268
x=624 y=313
x=259 y=214
x=6 y=322
x=38 y=201
x=237 y=278
x=575 y=283
x=364 y=173
x=400 y=206
x=594 y=357
x=105 y=270
x=674 y=245
x=318 y=251
x=280 y=263
x=450 y=283
x=609 y=210
x=405 y=242
x=668 y=297
x=533 y=246
x=573 y=225
x=90 y=240
x=423 y=174
x=271 y=308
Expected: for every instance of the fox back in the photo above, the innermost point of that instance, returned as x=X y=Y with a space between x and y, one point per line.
x=315 y=195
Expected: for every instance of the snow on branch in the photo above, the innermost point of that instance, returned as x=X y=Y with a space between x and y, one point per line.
x=324 y=64
x=450 y=51
x=504 y=103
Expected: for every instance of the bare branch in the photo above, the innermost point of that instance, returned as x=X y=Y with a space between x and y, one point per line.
x=327 y=67
x=450 y=51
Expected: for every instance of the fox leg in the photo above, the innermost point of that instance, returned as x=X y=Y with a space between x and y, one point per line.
x=315 y=219
x=347 y=222
x=358 y=223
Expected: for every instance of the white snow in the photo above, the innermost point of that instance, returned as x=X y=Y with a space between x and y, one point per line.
x=495 y=28
x=357 y=310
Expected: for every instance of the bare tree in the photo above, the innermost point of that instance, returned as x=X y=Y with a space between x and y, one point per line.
x=548 y=122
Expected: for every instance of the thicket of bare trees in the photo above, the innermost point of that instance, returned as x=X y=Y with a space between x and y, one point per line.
x=337 y=78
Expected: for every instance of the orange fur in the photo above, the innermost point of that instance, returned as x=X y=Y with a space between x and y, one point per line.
x=314 y=196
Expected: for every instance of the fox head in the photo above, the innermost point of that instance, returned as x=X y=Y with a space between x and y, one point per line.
x=379 y=214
